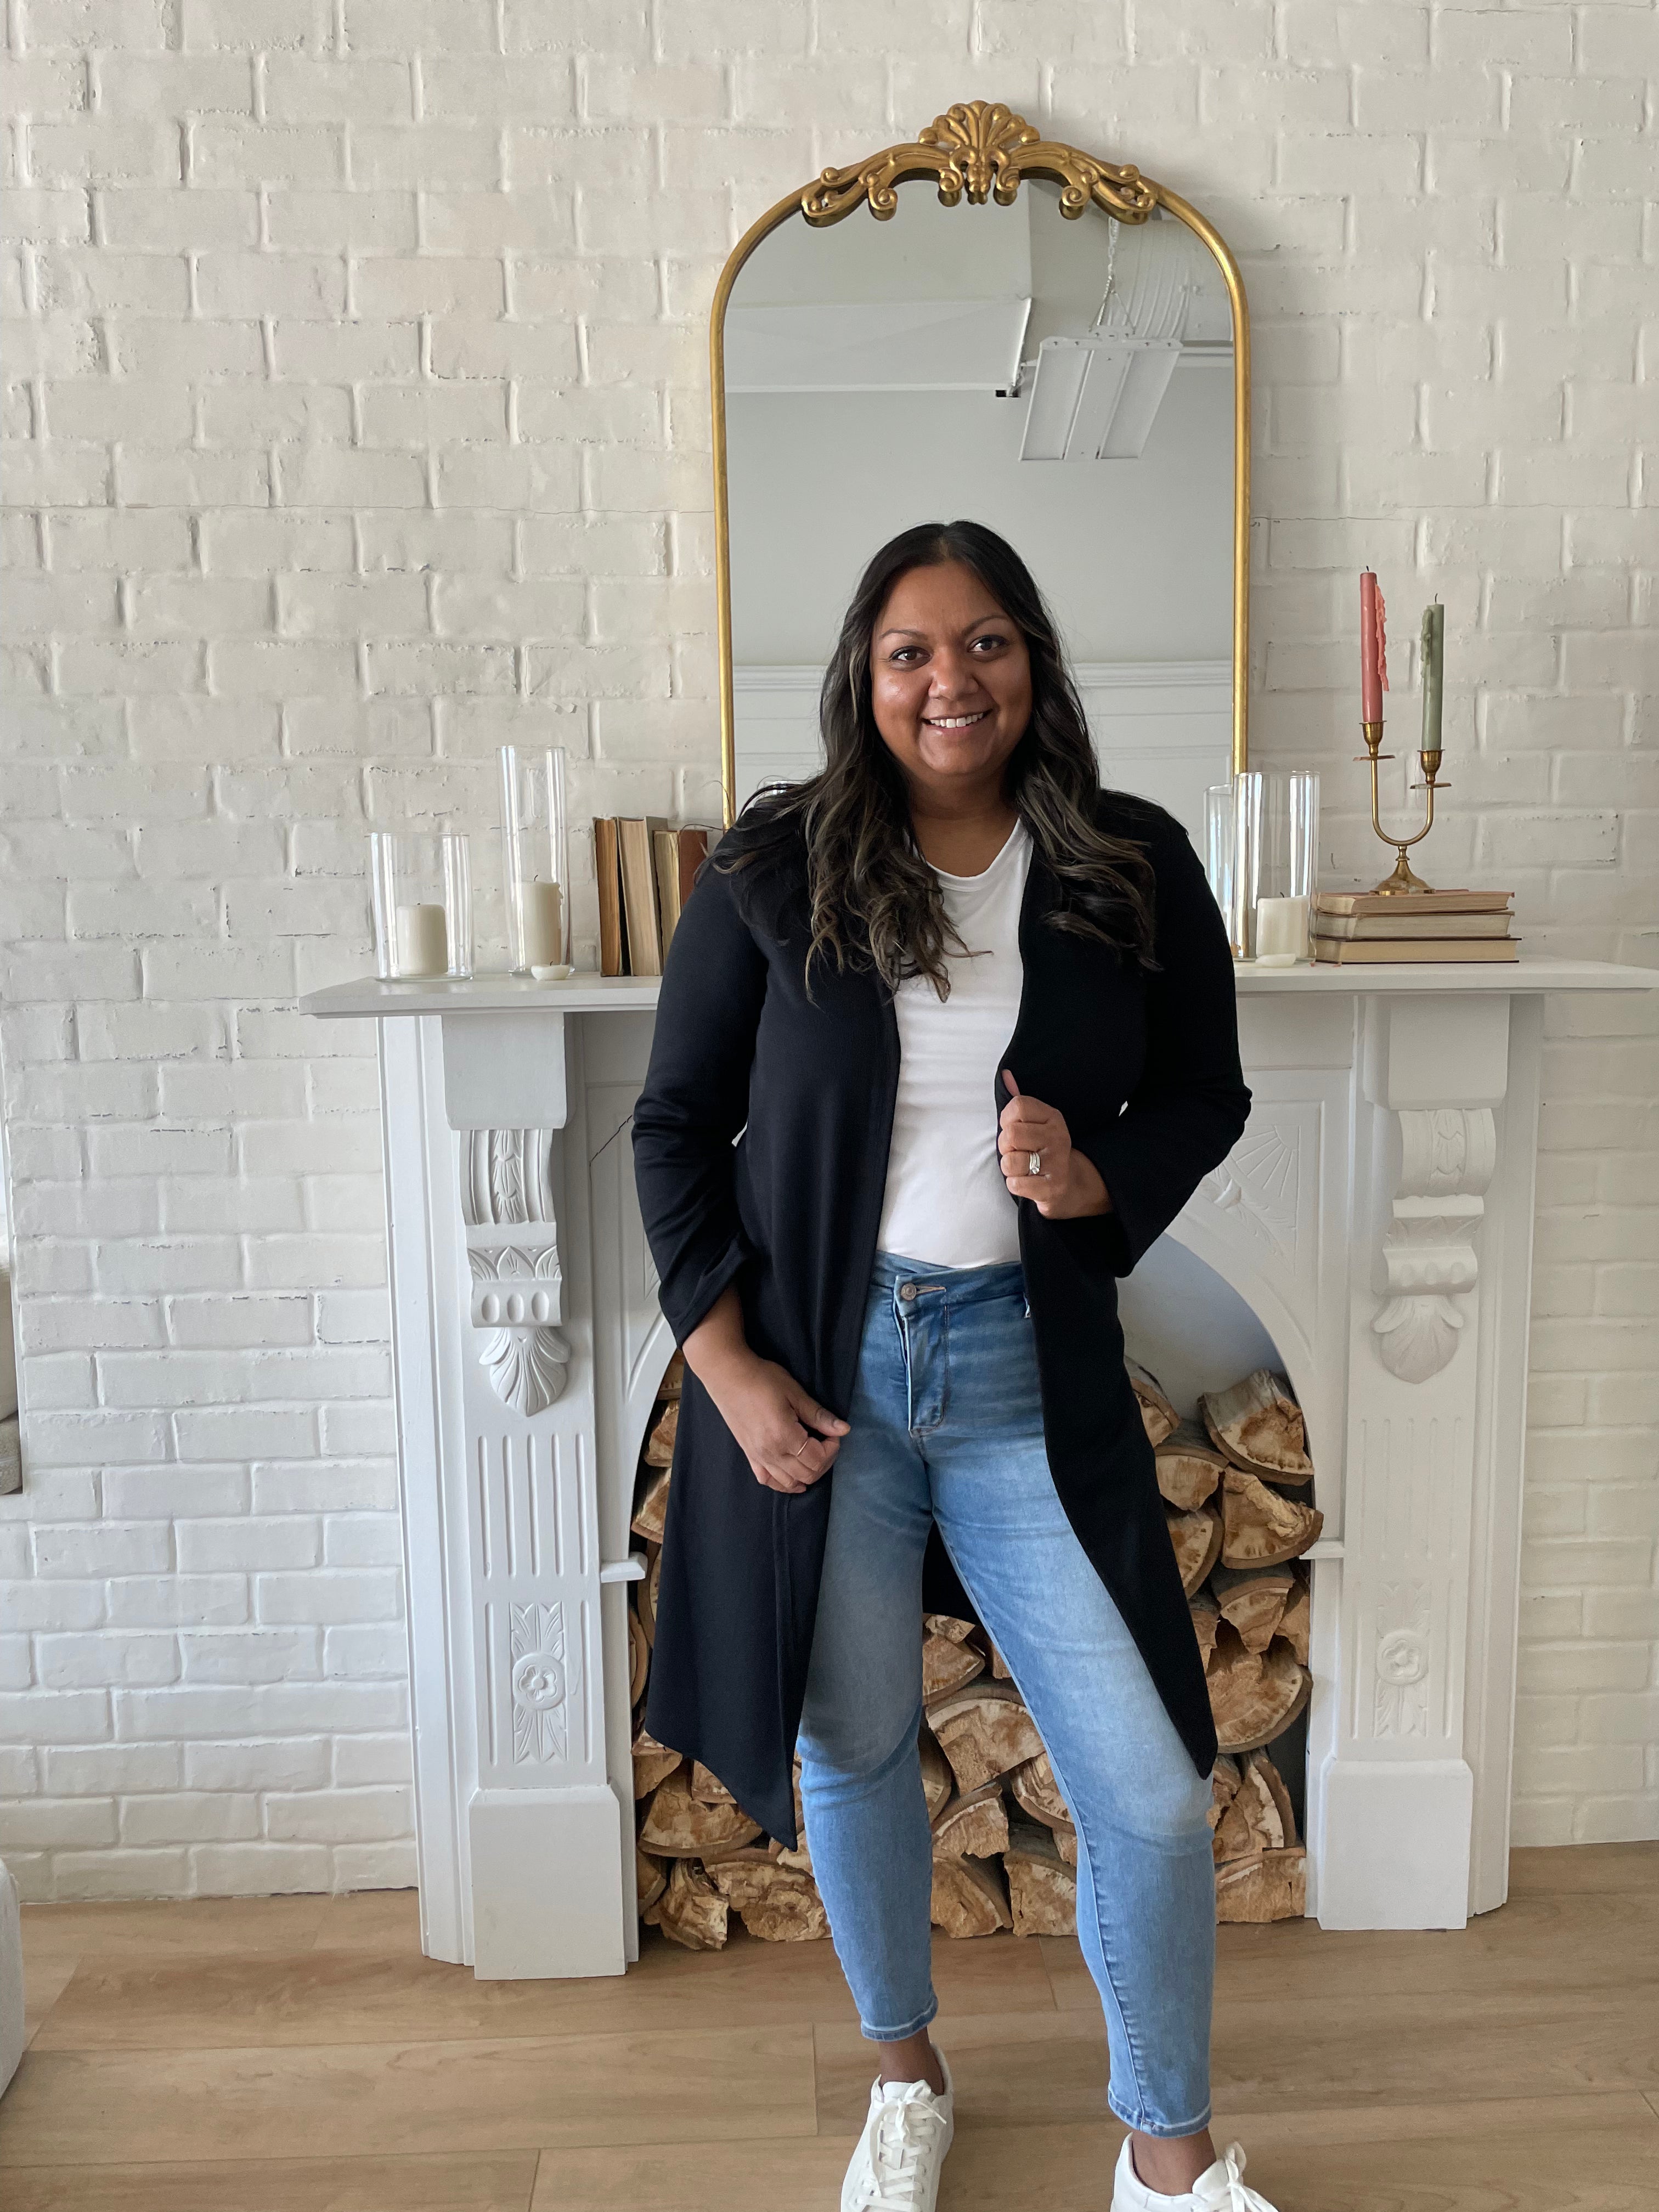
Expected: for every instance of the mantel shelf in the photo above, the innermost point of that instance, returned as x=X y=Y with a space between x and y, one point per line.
x=605 y=995
x=485 y=994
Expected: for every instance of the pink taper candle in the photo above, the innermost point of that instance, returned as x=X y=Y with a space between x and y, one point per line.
x=1373 y=648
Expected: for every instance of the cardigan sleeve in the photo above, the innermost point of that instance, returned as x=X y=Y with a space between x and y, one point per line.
x=695 y=1101
x=1190 y=1106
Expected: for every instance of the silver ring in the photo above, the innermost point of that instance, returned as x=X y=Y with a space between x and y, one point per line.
x=1033 y=1164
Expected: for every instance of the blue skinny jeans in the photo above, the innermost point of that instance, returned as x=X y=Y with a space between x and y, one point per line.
x=947 y=1425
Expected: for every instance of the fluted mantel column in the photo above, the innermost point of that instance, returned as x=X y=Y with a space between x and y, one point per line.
x=1435 y=1118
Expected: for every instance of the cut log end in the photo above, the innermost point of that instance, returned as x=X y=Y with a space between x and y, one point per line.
x=1258 y=1817
x=1198 y=1538
x=1257 y=1424
x=1206 y=1619
x=1042 y=1887
x=708 y=1787
x=1223 y=1788
x=1189 y=1467
x=937 y=1782
x=1254 y=1695
x=660 y=1444
x=645 y=1592
x=654 y=1762
x=1275 y=1783
x=1037 y=1794
x=984 y=1731
x=652 y=1510
x=1296 y=1622
x=639 y=1658
x=677 y=1825
x=1261 y=1528
x=948 y=1665
x=779 y=1903
x=1273 y=1886
x=1253 y=1602
x=969 y=1897
x=691 y=1910
x=974 y=1827
x=1158 y=1417
x=650 y=1878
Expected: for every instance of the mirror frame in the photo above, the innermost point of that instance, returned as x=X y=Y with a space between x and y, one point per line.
x=980 y=150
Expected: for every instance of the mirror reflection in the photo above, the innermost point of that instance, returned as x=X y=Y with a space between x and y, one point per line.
x=1067 y=381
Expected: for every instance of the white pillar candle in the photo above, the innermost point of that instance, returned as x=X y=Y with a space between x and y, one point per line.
x=1281 y=931
x=422 y=941
x=541 y=917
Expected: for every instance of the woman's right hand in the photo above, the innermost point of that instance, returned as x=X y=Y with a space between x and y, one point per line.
x=789 y=1440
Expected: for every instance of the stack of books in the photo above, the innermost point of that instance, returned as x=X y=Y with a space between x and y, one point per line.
x=1364 y=929
x=646 y=869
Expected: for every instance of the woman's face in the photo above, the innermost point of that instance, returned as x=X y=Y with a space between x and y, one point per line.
x=950 y=679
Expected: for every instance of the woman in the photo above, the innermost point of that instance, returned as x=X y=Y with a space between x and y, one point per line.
x=946 y=1038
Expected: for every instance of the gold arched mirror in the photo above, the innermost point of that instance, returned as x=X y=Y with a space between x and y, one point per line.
x=1048 y=342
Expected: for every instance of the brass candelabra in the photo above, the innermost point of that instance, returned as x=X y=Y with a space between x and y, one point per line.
x=1401 y=880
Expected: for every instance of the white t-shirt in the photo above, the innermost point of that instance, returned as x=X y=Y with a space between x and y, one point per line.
x=946 y=1200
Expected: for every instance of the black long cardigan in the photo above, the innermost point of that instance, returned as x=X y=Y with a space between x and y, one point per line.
x=1144 y=1064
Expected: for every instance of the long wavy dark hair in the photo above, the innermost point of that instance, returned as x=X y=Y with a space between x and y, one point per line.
x=873 y=900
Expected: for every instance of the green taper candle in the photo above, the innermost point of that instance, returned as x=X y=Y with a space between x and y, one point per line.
x=1434 y=669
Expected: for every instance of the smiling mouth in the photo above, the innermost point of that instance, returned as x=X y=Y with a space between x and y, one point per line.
x=955 y=721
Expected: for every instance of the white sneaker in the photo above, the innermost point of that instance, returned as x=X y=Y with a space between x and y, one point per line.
x=1219 y=2188
x=896 y=2167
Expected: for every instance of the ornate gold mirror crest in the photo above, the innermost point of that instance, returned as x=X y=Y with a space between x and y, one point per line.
x=979 y=151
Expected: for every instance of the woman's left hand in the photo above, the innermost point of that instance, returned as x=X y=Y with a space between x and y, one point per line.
x=1069 y=1184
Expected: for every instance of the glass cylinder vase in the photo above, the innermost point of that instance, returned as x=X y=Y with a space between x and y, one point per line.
x=1302 y=811
x=1218 y=834
x=421 y=890
x=1249 y=808
x=1289 y=856
x=535 y=860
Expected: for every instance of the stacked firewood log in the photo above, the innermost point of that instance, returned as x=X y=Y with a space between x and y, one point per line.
x=1234 y=1484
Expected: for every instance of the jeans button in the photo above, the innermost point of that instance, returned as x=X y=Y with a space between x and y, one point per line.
x=907 y=1291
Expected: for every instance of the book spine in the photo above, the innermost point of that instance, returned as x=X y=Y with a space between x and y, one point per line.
x=607 y=869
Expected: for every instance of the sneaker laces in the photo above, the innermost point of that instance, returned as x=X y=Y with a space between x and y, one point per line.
x=907 y=2129
x=1229 y=2192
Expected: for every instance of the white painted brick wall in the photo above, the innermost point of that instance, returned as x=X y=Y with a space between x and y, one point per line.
x=354 y=395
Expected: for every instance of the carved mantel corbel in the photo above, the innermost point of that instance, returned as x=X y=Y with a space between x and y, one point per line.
x=518 y=1285
x=1429 y=1253
x=1439 y=1068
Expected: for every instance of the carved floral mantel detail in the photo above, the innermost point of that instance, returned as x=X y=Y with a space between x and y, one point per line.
x=506 y=1177
x=528 y=1368
x=545 y=1667
x=514 y=1285
x=1263 y=1176
x=1258 y=1218
x=518 y=1286
x=1403 y=1623
x=1448 y=1156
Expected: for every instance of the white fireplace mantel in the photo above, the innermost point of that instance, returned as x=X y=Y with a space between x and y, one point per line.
x=1376 y=1214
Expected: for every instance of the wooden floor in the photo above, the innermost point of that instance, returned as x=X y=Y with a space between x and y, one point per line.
x=298 y=2055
